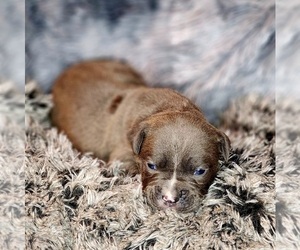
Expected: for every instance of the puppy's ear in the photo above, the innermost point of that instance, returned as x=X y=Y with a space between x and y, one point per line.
x=136 y=137
x=224 y=146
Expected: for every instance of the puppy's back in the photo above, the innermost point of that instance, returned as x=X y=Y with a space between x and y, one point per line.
x=82 y=95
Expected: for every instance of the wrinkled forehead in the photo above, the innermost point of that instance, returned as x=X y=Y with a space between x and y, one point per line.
x=184 y=141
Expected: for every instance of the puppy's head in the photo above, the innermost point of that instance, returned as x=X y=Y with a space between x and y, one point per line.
x=178 y=156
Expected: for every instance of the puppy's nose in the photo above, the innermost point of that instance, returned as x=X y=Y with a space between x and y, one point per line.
x=173 y=198
x=170 y=199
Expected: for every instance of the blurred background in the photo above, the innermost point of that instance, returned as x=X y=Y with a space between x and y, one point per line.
x=12 y=42
x=210 y=50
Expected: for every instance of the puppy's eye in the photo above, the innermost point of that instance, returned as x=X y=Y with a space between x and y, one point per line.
x=199 y=171
x=151 y=166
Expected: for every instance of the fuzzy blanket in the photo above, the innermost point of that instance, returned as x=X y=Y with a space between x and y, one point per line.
x=12 y=144
x=71 y=205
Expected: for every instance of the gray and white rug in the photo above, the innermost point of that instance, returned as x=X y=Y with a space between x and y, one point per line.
x=12 y=177
x=70 y=204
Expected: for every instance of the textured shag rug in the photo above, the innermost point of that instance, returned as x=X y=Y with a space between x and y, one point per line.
x=71 y=205
x=12 y=144
x=287 y=172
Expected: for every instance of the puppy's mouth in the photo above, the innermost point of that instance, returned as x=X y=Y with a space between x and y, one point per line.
x=184 y=204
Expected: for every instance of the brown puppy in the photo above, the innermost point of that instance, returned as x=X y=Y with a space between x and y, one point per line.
x=104 y=107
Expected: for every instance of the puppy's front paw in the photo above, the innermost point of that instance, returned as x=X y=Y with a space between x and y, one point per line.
x=120 y=168
x=122 y=163
x=129 y=168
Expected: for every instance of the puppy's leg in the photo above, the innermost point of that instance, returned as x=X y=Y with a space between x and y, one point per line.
x=125 y=156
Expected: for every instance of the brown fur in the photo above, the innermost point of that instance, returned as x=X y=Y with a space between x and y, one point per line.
x=141 y=125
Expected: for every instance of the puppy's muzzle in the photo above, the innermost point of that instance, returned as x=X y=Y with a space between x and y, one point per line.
x=171 y=199
x=178 y=199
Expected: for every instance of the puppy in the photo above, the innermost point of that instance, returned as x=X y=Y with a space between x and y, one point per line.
x=105 y=107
